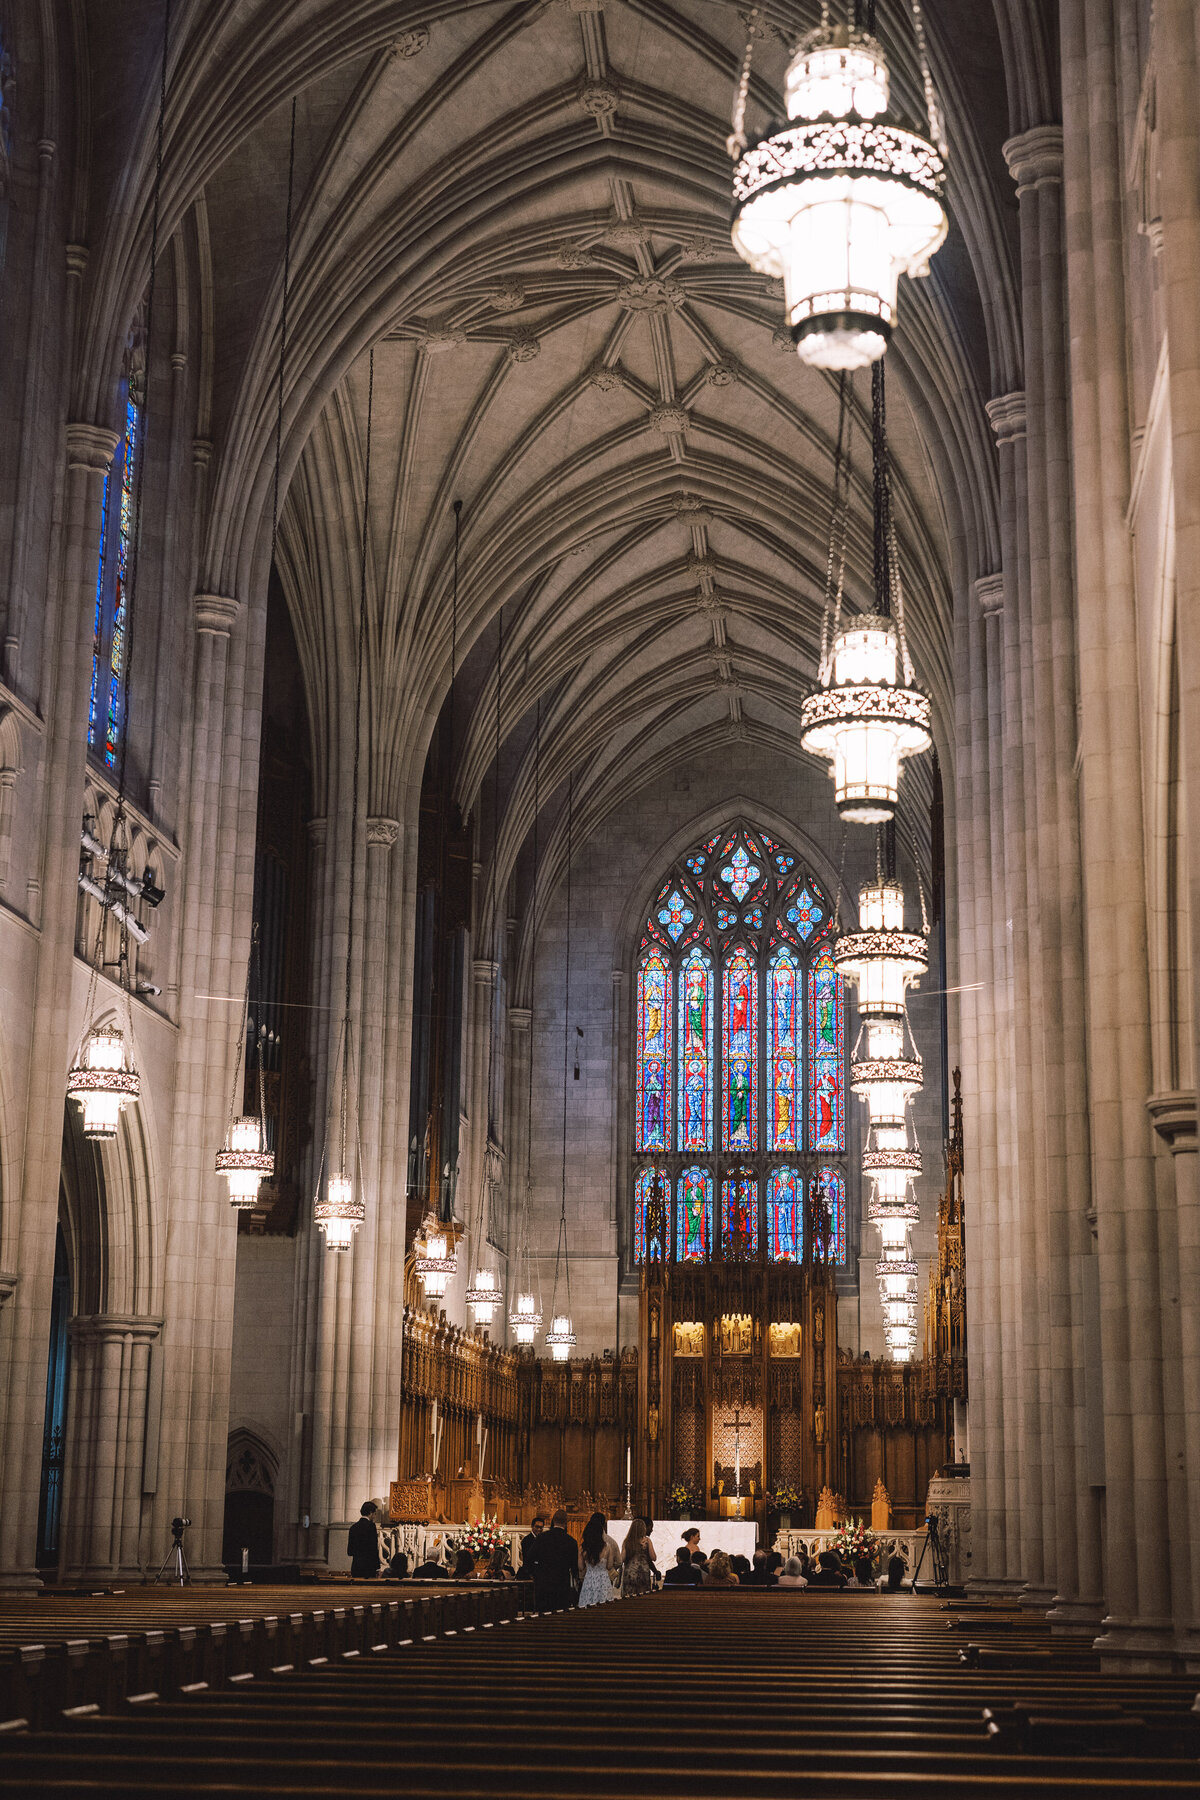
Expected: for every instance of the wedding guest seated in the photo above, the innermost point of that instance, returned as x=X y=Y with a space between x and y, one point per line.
x=430 y=1570
x=686 y=1573
x=828 y=1572
x=863 y=1573
x=398 y=1567
x=719 y=1572
x=500 y=1568
x=700 y=1560
x=775 y=1562
x=464 y=1566
x=761 y=1574
x=792 y=1576
x=897 y=1569
x=741 y=1567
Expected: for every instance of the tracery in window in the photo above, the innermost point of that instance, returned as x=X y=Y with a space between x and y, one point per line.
x=741 y=1014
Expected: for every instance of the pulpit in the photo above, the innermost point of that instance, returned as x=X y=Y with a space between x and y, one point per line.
x=467 y=1498
x=411 y=1502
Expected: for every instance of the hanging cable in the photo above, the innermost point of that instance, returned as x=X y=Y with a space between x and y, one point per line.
x=283 y=329
x=354 y=783
x=735 y=143
x=563 y=1254
x=453 y=650
x=932 y=109
x=835 y=566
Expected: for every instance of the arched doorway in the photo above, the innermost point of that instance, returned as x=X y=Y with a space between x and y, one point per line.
x=57 y=1376
x=250 y=1473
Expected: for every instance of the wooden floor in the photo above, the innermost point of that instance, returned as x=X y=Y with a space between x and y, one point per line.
x=738 y=1695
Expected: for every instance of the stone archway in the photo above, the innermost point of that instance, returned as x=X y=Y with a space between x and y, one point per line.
x=251 y=1471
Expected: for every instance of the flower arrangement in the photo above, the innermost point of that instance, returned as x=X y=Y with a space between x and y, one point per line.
x=681 y=1500
x=854 y=1540
x=480 y=1538
x=785 y=1499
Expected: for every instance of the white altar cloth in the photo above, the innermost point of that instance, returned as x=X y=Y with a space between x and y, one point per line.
x=737 y=1537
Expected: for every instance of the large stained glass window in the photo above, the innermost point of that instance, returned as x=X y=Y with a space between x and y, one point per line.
x=695 y=1081
x=783 y=1050
x=826 y=1056
x=652 y=1215
x=785 y=1215
x=739 y=1216
x=694 y=1216
x=827 y=1200
x=739 y=1050
x=740 y=1044
x=106 y=705
x=653 y=1053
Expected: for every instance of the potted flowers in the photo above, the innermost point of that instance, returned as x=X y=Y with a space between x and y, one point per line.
x=854 y=1541
x=680 y=1500
x=785 y=1501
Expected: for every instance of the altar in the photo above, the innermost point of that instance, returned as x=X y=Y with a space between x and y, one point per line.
x=737 y=1537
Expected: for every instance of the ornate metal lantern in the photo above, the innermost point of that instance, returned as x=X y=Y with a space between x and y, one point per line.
x=839 y=204
x=436 y=1261
x=881 y=958
x=245 y=1161
x=560 y=1337
x=525 y=1318
x=101 y=1083
x=483 y=1296
x=887 y=1077
x=864 y=721
x=339 y=1214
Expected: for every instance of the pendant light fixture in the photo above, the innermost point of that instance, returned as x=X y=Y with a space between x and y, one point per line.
x=340 y=1213
x=561 y=1336
x=245 y=1160
x=526 y=1315
x=484 y=1295
x=865 y=715
x=103 y=1077
x=839 y=204
x=434 y=1256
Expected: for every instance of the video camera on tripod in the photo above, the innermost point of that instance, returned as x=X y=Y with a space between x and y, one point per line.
x=175 y=1561
x=937 y=1555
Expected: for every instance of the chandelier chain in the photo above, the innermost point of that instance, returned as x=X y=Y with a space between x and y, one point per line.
x=933 y=110
x=562 y=1254
x=835 y=566
x=283 y=331
x=354 y=780
x=735 y=143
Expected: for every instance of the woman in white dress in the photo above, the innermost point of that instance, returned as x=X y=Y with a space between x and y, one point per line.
x=598 y=1558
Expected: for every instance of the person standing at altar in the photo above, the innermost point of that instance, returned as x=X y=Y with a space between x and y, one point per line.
x=691 y=1541
x=638 y=1558
x=362 y=1541
x=529 y=1547
x=555 y=1569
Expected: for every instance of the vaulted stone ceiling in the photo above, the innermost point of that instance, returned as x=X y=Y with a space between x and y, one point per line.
x=524 y=211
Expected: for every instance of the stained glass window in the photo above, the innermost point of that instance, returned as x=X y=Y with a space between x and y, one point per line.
x=827 y=1198
x=740 y=1040
x=739 y=1052
x=785 y=1215
x=739 y=1216
x=826 y=1056
x=106 y=705
x=693 y=1216
x=652 y=1215
x=783 y=1051
x=653 y=1052
x=695 y=1128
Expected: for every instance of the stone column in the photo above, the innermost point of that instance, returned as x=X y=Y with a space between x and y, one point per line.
x=516 y=1137
x=1137 y=1583
x=105 y=1442
x=1177 y=72
x=69 y=626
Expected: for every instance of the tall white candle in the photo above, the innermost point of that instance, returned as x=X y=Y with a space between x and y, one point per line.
x=629 y=1465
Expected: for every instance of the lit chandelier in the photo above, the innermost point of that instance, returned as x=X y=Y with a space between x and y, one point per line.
x=435 y=1260
x=888 y=1076
x=881 y=958
x=561 y=1336
x=483 y=1295
x=839 y=204
x=101 y=1082
x=526 y=1316
x=865 y=714
x=244 y=1159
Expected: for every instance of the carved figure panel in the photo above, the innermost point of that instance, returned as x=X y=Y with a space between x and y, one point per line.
x=784 y=1338
x=689 y=1338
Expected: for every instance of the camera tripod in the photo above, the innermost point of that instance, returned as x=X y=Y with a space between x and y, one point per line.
x=175 y=1560
x=933 y=1544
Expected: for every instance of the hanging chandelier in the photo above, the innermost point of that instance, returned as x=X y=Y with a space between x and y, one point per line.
x=839 y=204
x=245 y=1160
x=526 y=1316
x=483 y=1295
x=435 y=1260
x=881 y=958
x=888 y=1076
x=561 y=1335
x=101 y=1082
x=340 y=1213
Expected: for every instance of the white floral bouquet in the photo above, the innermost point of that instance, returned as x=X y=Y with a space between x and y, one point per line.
x=481 y=1538
x=854 y=1540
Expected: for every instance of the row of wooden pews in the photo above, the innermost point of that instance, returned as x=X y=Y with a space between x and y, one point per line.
x=101 y=1652
x=744 y=1695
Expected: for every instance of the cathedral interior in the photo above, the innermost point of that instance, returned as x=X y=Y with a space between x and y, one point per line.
x=441 y=1056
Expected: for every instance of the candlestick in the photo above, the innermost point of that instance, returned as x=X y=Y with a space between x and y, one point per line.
x=628 y=1465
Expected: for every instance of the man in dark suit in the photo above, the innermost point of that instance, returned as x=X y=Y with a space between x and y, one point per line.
x=556 y=1567
x=362 y=1541
x=529 y=1549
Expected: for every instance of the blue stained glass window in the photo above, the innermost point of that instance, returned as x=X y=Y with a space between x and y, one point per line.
x=106 y=704
x=826 y=1056
x=676 y=915
x=827 y=1199
x=651 y=1216
x=693 y=1216
x=740 y=874
x=740 y=1052
x=653 y=1052
x=739 y=1215
x=804 y=915
x=785 y=1215
x=695 y=1106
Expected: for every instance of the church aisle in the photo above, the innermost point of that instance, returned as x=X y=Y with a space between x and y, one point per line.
x=745 y=1696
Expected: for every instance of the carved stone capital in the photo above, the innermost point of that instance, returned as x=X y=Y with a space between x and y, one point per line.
x=110 y=1328
x=77 y=259
x=202 y=450
x=520 y=1017
x=90 y=447
x=8 y=1285
x=1007 y=415
x=215 y=614
x=318 y=831
x=485 y=972
x=382 y=833
x=1035 y=157
x=1173 y=1116
x=989 y=591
